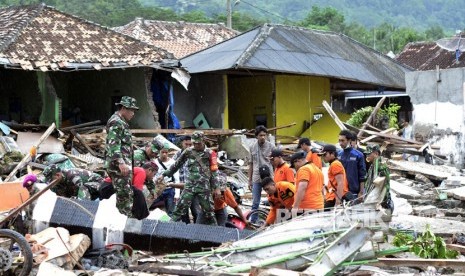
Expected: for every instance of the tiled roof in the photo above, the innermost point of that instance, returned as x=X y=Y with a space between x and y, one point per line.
x=426 y=55
x=295 y=50
x=39 y=37
x=180 y=38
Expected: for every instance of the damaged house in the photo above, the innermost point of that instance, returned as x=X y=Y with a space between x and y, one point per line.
x=56 y=67
x=436 y=89
x=181 y=39
x=276 y=75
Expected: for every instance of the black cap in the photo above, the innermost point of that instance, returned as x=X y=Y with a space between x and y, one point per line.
x=303 y=141
x=296 y=156
x=276 y=153
x=264 y=171
x=328 y=148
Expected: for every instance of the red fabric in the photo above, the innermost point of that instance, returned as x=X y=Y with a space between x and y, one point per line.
x=139 y=178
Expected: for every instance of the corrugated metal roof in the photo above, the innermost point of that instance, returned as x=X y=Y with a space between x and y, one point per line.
x=302 y=51
x=427 y=55
x=180 y=38
x=39 y=37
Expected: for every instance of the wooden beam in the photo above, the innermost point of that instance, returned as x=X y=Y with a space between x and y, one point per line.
x=372 y=116
x=422 y=262
x=185 y=131
x=374 y=136
x=81 y=125
x=91 y=151
x=393 y=137
x=333 y=115
x=15 y=211
x=26 y=158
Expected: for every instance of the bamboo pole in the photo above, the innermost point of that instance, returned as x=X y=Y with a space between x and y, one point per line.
x=257 y=246
x=28 y=155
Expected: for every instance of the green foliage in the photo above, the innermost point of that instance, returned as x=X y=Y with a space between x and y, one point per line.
x=360 y=116
x=390 y=112
x=427 y=245
x=325 y=17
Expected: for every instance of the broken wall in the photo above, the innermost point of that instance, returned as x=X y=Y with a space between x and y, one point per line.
x=20 y=96
x=298 y=98
x=439 y=109
x=206 y=94
x=95 y=92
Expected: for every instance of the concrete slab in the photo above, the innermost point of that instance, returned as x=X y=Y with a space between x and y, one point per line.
x=457 y=193
x=403 y=190
x=442 y=227
x=427 y=211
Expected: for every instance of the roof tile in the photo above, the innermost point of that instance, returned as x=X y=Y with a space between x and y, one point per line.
x=39 y=33
x=180 y=38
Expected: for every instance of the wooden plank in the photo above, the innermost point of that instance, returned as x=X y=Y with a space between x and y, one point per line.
x=83 y=142
x=185 y=131
x=403 y=262
x=333 y=115
x=81 y=125
x=456 y=247
x=372 y=116
x=26 y=158
x=393 y=137
x=387 y=131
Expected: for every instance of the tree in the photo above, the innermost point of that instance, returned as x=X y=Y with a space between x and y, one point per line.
x=328 y=16
x=434 y=33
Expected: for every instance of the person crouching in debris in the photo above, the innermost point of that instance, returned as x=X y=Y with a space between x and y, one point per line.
x=280 y=196
x=119 y=154
x=143 y=189
x=309 y=184
x=337 y=182
x=150 y=152
x=202 y=169
x=220 y=203
x=74 y=182
x=378 y=169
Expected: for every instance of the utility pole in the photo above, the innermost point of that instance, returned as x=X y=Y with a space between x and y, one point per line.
x=228 y=14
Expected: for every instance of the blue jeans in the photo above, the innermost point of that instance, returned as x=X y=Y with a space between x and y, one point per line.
x=168 y=197
x=256 y=196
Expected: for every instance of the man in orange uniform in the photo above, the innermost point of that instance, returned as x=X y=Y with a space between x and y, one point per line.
x=312 y=157
x=280 y=196
x=309 y=183
x=337 y=185
x=282 y=170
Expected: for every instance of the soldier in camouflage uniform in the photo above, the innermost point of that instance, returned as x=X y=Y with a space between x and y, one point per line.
x=201 y=180
x=74 y=182
x=378 y=168
x=119 y=154
x=150 y=152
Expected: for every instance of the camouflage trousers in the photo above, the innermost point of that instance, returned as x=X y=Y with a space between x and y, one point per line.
x=124 y=193
x=205 y=201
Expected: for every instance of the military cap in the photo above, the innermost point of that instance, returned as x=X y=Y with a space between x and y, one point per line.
x=156 y=145
x=296 y=156
x=197 y=136
x=50 y=171
x=372 y=148
x=128 y=102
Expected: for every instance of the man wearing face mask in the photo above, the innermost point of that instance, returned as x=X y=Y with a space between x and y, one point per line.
x=354 y=165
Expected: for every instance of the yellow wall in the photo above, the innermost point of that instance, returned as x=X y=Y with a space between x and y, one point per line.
x=297 y=99
x=249 y=96
x=325 y=129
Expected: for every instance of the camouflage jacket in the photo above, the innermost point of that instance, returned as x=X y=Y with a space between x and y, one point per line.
x=140 y=157
x=199 y=176
x=118 y=146
x=74 y=182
